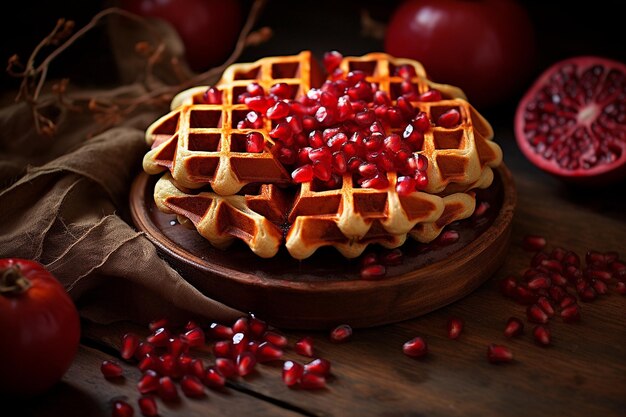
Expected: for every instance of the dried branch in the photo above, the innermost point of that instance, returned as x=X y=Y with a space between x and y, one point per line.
x=110 y=111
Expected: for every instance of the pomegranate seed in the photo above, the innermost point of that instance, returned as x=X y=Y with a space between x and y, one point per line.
x=111 y=369
x=552 y=265
x=430 y=96
x=415 y=348
x=241 y=325
x=536 y=315
x=226 y=367
x=598 y=274
x=514 y=327
x=570 y=314
x=281 y=90
x=595 y=258
x=341 y=333
x=275 y=339
x=539 y=281
x=148 y=362
x=292 y=373
x=156 y=324
x=130 y=342
x=266 y=352
x=508 y=287
x=160 y=337
x=542 y=335
x=214 y=379
x=257 y=327
x=254 y=142
x=168 y=365
x=455 y=327
x=246 y=362
x=176 y=346
x=145 y=348
x=481 y=209
x=278 y=111
x=372 y=272
x=148 y=406
x=167 y=389
x=600 y=287
x=448 y=237
x=567 y=300
x=191 y=386
x=304 y=346
x=332 y=60
x=196 y=367
x=587 y=293
x=534 y=243
x=546 y=306
x=219 y=331
x=393 y=257
x=499 y=354
x=311 y=380
x=620 y=287
x=524 y=295
x=212 y=96
x=449 y=119
x=303 y=174
x=223 y=349
x=239 y=343
x=122 y=409
x=318 y=366
x=149 y=382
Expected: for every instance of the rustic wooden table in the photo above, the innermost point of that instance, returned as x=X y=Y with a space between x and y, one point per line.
x=583 y=372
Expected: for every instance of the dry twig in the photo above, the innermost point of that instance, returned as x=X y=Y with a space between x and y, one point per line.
x=110 y=111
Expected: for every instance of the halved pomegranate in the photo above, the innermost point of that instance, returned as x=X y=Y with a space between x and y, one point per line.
x=572 y=121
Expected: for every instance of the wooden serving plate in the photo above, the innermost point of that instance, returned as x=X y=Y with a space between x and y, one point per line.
x=325 y=289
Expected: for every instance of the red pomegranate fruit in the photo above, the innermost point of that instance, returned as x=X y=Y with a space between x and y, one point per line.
x=571 y=123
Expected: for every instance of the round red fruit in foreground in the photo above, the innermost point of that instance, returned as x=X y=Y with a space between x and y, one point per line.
x=571 y=123
x=39 y=328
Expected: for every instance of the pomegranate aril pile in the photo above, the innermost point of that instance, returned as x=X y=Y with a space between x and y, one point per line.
x=346 y=126
x=170 y=361
x=555 y=284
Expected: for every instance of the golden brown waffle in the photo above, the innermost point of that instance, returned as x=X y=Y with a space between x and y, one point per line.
x=200 y=144
x=460 y=158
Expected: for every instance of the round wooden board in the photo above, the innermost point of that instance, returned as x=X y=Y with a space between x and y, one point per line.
x=325 y=289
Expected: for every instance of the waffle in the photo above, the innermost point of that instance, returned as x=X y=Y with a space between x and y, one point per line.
x=251 y=196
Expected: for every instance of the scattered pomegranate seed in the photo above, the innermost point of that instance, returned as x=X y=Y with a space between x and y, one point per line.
x=534 y=243
x=455 y=327
x=311 y=380
x=148 y=406
x=167 y=389
x=415 y=348
x=292 y=372
x=570 y=313
x=156 y=324
x=514 y=327
x=225 y=367
x=266 y=352
x=341 y=333
x=542 y=335
x=160 y=337
x=219 y=331
x=254 y=142
x=508 y=287
x=621 y=287
x=276 y=339
x=536 y=315
x=246 y=363
x=546 y=306
x=122 y=409
x=212 y=96
x=481 y=209
x=373 y=272
x=448 y=237
x=318 y=366
x=192 y=387
x=111 y=369
x=149 y=382
x=304 y=346
x=223 y=349
x=214 y=379
x=130 y=342
x=499 y=354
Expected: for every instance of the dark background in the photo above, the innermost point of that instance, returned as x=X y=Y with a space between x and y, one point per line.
x=563 y=29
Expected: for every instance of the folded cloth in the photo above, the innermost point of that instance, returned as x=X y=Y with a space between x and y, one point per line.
x=64 y=203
